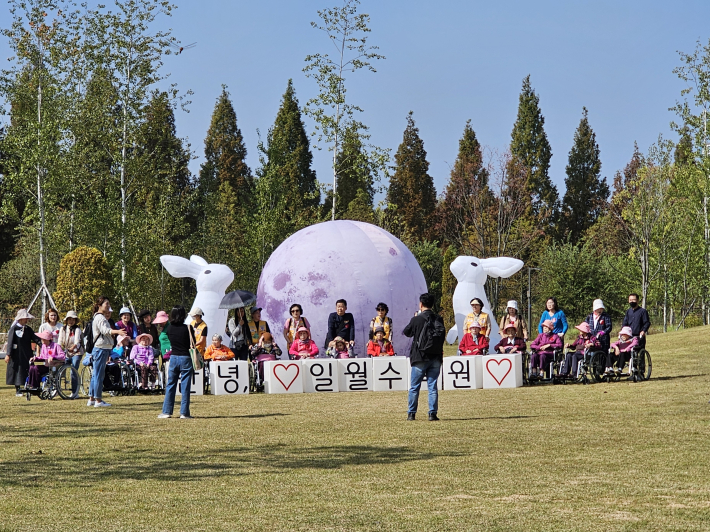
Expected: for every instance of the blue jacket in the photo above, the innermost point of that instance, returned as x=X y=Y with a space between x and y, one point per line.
x=602 y=331
x=558 y=318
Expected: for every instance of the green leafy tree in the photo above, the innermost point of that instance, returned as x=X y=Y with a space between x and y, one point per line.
x=334 y=115
x=429 y=257
x=411 y=189
x=530 y=146
x=586 y=196
x=83 y=276
x=448 y=285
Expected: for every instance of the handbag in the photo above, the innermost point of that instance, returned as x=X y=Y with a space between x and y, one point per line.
x=195 y=356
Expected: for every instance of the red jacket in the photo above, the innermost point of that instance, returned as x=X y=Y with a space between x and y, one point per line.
x=374 y=349
x=504 y=346
x=475 y=347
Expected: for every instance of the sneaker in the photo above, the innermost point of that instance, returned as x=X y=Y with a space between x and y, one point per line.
x=90 y=402
x=19 y=394
x=164 y=416
x=183 y=416
x=100 y=404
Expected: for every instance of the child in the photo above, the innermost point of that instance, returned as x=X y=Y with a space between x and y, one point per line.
x=380 y=346
x=473 y=342
x=381 y=320
x=543 y=348
x=338 y=349
x=265 y=349
x=340 y=323
x=217 y=351
x=51 y=353
x=511 y=343
x=143 y=357
x=621 y=349
x=579 y=347
x=303 y=346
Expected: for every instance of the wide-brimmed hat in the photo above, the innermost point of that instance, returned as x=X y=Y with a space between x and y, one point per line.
x=124 y=310
x=626 y=331
x=71 y=314
x=22 y=314
x=121 y=338
x=45 y=335
x=512 y=304
x=598 y=303
x=197 y=311
x=144 y=335
x=473 y=324
x=144 y=313
x=584 y=327
x=161 y=317
x=548 y=324
x=476 y=300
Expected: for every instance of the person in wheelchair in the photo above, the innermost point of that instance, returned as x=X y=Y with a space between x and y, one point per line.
x=217 y=350
x=52 y=355
x=303 y=346
x=578 y=348
x=543 y=349
x=620 y=351
x=339 y=348
x=120 y=353
x=265 y=349
x=380 y=346
x=143 y=356
x=473 y=342
x=511 y=343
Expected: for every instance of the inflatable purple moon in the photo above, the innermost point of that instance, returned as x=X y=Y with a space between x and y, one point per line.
x=343 y=259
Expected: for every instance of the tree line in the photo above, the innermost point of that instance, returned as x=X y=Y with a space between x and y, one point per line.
x=94 y=172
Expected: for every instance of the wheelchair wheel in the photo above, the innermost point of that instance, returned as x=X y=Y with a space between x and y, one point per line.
x=67 y=382
x=597 y=365
x=86 y=373
x=643 y=365
x=47 y=388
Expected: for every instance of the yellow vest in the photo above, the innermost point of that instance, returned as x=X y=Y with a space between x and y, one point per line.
x=256 y=331
x=483 y=321
x=386 y=324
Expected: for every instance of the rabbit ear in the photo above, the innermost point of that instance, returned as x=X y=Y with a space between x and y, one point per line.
x=501 y=266
x=180 y=267
x=198 y=260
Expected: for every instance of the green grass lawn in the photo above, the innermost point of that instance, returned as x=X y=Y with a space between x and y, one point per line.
x=618 y=456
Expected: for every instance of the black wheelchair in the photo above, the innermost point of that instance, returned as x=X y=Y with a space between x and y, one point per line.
x=61 y=380
x=639 y=367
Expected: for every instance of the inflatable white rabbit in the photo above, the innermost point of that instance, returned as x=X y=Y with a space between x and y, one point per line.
x=212 y=281
x=471 y=274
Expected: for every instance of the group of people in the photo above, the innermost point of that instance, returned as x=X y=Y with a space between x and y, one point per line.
x=594 y=331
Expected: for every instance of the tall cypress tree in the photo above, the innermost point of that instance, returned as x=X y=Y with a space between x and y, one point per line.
x=411 y=188
x=288 y=155
x=530 y=146
x=225 y=153
x=586 y=198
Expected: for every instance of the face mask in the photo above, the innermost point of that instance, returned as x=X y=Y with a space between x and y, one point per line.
x=267 y=346
x=633 y=304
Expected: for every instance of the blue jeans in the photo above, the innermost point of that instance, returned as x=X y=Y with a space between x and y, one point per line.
x=432 y=369
x=180 y=369
x=76 y=364
x=99 y=358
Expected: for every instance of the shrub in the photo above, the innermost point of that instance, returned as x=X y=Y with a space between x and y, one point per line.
x=83 y=276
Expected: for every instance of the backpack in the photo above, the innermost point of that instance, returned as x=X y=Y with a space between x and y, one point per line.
x=431 y=337
x=89 y=335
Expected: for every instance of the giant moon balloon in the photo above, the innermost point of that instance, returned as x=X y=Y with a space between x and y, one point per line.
x=342 y=259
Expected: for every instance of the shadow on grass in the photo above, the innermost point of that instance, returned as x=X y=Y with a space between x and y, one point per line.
x=184 y=465
x=673 y=377
x=485 y=418
x=247 y=416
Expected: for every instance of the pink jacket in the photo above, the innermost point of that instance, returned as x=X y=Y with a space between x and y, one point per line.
x=52 y=350
x=625 y=347
x=307 y=348
x=546 y=338
x=142 y=355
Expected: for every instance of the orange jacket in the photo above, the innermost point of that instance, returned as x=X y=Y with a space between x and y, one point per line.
x=374 y=349
x=223 y=353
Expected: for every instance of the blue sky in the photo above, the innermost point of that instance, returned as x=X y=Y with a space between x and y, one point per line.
x=449 y=61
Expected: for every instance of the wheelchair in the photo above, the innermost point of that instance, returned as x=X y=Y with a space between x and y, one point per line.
x=639 y=367
x=61 y=380
x=121 y=382
x=589 y=369
x=551 y=373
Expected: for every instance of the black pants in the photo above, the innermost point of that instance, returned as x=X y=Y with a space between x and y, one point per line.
x=572 y=361
x=241 y=353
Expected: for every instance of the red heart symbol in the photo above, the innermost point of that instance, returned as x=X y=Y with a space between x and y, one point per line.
x=286 y=369
x=510 y=367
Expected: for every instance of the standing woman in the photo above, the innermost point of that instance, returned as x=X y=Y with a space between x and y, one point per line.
x=556 y=316
x=513 y=318
x=381 y=320
x=20 y=338
x=182 y=337
x=71 y=341
x=477 y=314
x=295 y=322
x=161 y=325
x=145 y=326
x=103 y=344
x=51 y=323
x=236 y=328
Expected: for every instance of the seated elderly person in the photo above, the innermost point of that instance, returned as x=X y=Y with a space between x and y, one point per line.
x=217 y=351
x=265 y=349
x=511 y=343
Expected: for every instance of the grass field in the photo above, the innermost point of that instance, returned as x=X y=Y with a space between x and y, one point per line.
x=618 y=456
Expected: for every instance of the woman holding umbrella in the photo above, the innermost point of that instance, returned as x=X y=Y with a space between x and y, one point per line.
x=237 y=327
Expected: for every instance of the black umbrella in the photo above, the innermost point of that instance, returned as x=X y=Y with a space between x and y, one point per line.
x=237 y=299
